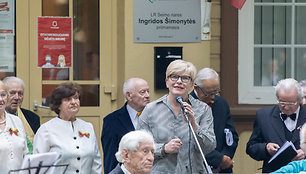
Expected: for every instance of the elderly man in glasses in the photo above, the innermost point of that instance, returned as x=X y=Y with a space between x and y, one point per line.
x=206 y=89
x=277 y=124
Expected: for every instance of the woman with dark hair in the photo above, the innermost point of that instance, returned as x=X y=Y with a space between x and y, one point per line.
x=73 y=138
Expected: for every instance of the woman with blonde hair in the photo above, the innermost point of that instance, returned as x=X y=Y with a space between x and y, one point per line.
x=176 y=150
x=13 y=143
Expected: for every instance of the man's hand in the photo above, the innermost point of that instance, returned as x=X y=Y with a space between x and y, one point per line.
x=226 y=162
x=300 y=155
x=272 y=148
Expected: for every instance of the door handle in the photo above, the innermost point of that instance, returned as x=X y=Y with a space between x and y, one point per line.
x=36 y=106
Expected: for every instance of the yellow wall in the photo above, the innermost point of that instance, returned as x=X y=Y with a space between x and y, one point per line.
x=137 y=60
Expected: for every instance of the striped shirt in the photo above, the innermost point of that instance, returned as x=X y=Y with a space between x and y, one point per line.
x=158 y=118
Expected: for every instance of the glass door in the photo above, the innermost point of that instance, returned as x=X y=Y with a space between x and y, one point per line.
x=88 y=63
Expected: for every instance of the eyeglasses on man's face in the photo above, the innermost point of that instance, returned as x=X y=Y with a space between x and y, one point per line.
x=175 y=78
x=207 y=94
x=283 y=103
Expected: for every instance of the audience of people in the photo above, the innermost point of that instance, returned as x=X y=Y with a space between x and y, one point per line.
x=71 y=137
x=13 y=143
x=176 y=151
x=163 y=142
x=123 y=120
x=135 y=153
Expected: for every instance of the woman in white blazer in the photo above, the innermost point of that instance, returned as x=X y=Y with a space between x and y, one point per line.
x=73 y=138
x=13 y=143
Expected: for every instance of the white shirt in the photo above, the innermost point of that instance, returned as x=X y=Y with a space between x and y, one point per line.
x=125 y=171
x=133 y=115
x=80 y=152
x=12 y=147
x=290 y=124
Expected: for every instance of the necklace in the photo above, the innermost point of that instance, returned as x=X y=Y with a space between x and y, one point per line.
x=3 y=121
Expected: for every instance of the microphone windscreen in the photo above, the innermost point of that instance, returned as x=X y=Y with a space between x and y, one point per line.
x=179 y=99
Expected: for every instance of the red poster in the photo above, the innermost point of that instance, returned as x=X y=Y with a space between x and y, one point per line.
x=54 y=42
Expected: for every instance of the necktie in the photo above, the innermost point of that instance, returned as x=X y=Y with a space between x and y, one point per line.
x=292 y=116
x=138 y=114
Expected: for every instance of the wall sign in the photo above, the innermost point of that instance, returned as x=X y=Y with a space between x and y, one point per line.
x=7 y=36
x=167 y=21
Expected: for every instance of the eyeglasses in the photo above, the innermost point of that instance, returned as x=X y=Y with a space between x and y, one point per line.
x=207 y=94
x=175 y=78
x=286 y=103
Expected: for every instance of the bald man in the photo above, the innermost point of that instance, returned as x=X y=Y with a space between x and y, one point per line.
x=124 y=120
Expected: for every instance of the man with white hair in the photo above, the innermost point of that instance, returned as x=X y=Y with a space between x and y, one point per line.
x=303 y=85
x=277 y=124
x=30 y=120
x=124 y=120
x=206 y=89
x=296 y=166
x=135 y=153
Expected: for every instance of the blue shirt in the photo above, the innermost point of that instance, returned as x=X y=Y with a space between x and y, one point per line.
x=293 y=167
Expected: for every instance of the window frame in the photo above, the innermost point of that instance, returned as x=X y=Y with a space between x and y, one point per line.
x=247 y=92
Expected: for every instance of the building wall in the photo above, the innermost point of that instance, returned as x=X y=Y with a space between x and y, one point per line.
x=137 y=59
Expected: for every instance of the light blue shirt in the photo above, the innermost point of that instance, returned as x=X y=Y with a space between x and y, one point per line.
x=293 y=167
x=133 y=115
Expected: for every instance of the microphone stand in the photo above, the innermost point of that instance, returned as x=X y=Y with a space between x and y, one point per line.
x=208 y=169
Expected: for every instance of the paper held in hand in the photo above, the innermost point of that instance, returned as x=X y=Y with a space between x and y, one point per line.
x=283 y=156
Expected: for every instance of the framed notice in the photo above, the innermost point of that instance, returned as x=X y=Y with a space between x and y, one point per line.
x=167 y=21
x=7 y=17
x=7 y=35
x=54 y=42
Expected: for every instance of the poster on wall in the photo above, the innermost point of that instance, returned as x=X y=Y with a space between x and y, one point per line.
x=7 y=17
x=167 y=21
x=7 y=35
x=54 y=42
x=7 y=60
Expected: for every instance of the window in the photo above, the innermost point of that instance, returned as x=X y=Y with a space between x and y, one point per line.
x=272 y=46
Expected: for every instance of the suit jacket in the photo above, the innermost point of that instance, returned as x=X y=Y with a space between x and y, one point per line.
x=222 y=120
x=32 y=118
x=269 y=128
x=117 y=170
x=115 y=126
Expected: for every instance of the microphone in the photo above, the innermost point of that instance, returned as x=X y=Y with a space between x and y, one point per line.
x=179 y=99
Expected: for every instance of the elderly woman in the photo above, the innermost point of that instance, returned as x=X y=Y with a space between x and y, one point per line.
x=13 y=143
x=73 y=138
x=176 y=150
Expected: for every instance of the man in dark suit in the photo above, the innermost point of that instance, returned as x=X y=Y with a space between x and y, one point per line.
x=30 y=120
x=277 y=124
x=135 y=153
x=124 y=120
x=206 y=89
